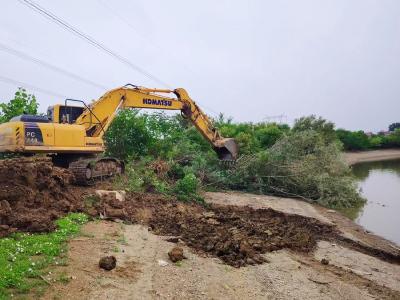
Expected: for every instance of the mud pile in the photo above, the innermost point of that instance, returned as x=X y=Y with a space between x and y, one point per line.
x=33 y=193
x=237 y=235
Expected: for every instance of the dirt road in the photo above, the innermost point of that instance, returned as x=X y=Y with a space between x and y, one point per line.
x=377 y=155
x=352 y=272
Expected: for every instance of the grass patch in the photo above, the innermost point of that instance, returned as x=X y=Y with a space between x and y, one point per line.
x=24 y=256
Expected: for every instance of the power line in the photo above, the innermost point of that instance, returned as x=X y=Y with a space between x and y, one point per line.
x=144 y=37
x=55 y=19
x=25 y=56
x=94 y=42
x=155 y=45
x=24 y=84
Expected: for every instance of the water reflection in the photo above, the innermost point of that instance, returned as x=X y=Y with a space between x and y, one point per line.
x=380 y=185
x=361 y=171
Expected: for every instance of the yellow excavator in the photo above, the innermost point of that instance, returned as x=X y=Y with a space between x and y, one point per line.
x=72 y=134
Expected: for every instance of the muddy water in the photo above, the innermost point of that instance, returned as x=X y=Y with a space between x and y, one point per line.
x=380 y=185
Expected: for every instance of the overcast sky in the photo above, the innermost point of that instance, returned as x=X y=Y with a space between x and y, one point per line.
x=248 y=59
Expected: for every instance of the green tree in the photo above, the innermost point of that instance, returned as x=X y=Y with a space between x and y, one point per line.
x=268 y=135
x=128 y=135
x=353 y=140
x=375 y=141
x=22 y=103
x=394 y=126
x=392 y=140
x=319 y=125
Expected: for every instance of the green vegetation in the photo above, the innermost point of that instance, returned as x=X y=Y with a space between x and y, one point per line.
x=22 y=103
x=394 y=126
x=24 y=257
x=358 y=140
x=187 y=188
x=173 y=159
x=302 y=164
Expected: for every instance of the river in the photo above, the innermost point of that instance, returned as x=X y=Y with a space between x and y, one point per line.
x=380 y=185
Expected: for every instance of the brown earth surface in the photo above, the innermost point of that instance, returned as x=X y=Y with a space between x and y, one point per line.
x=33 y=194
x=234 y=228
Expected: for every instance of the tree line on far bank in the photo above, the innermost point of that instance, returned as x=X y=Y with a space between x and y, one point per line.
x=359 y=140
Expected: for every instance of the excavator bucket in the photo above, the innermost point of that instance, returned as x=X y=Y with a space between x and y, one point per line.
x=227 y=149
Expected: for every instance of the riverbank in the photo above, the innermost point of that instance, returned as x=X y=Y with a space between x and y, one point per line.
x=353 y=158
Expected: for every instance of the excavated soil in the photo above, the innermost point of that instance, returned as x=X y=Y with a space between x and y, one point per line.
x=33 y=194
x=237 y=235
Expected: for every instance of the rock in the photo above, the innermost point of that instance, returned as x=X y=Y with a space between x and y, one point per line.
x=324 y=261
x=111 y=195
x=4 y=227
x=116 y=213
x=108 y=263
x=176 y=254
x=162 y=263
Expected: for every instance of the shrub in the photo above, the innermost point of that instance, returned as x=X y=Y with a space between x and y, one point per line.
x=186 y=189
x=325 y=128
x=140 y=176
x=301 y=165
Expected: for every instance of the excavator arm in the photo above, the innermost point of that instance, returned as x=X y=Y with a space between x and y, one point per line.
x=98 y=116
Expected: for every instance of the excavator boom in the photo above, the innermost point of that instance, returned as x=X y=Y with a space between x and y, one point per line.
x=100 y=114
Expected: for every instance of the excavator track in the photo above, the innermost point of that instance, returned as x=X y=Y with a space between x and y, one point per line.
x=87 y=171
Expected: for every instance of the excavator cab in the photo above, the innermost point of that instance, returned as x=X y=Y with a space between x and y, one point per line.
x=65 y=114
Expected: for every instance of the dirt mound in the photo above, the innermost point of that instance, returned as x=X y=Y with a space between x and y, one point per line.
x=33 y=193
x=237 y=235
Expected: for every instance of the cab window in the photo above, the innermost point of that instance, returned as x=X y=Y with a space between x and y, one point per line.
x=50 y=113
